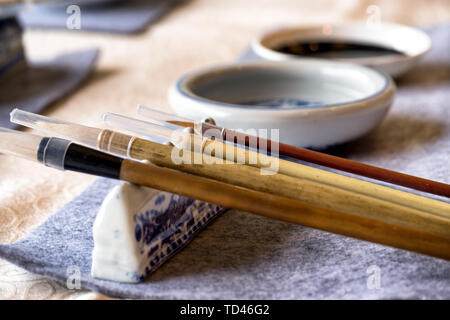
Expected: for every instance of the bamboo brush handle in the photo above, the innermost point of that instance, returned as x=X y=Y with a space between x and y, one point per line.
x=305 y=190
x=334 y=162
x=308 y=190
x=284 y=209
x=362 y=169
x=361 y=187
x=136 y=148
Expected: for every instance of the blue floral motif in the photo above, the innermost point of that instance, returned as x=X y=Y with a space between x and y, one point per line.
x=168 y=222
x=160 y=199
x=138 y=232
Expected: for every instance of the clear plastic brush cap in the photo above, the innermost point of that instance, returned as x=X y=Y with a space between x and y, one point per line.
x=19 y=144
x=169 y=120
x=162 y=118
x=81 y=134
x=147 y=130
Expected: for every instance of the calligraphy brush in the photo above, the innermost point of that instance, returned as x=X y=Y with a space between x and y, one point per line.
x=323 y=159
x=286 y=168
x=65 y=155
x=317 y=187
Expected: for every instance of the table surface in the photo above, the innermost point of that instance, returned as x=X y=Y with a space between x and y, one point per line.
x=138 y=69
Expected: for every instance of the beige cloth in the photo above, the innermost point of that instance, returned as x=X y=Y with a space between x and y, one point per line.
x=139 y=69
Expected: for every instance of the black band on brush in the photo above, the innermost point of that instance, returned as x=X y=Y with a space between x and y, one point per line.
x=65 y=155
x=86 y=160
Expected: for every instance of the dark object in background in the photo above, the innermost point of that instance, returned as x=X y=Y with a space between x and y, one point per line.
x=41 y=83
x=35 y=84
x=124 y=16
x=12 y=53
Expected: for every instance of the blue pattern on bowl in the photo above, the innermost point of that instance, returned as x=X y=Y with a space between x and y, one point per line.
x=282 y=103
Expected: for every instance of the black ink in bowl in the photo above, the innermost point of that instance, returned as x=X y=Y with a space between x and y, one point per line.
x=336 y=50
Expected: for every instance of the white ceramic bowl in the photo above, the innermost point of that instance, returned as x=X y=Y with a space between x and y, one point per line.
x=413 y=43
x=314 y=103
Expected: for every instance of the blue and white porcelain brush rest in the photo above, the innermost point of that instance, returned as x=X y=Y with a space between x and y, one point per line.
x=313 y=102
x=137 y=229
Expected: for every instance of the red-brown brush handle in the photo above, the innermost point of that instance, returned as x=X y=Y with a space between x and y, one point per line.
x=323 y=159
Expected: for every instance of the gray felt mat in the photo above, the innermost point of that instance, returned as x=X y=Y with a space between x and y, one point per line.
x=243 y=256
x=43 y=82
x=119 y=16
